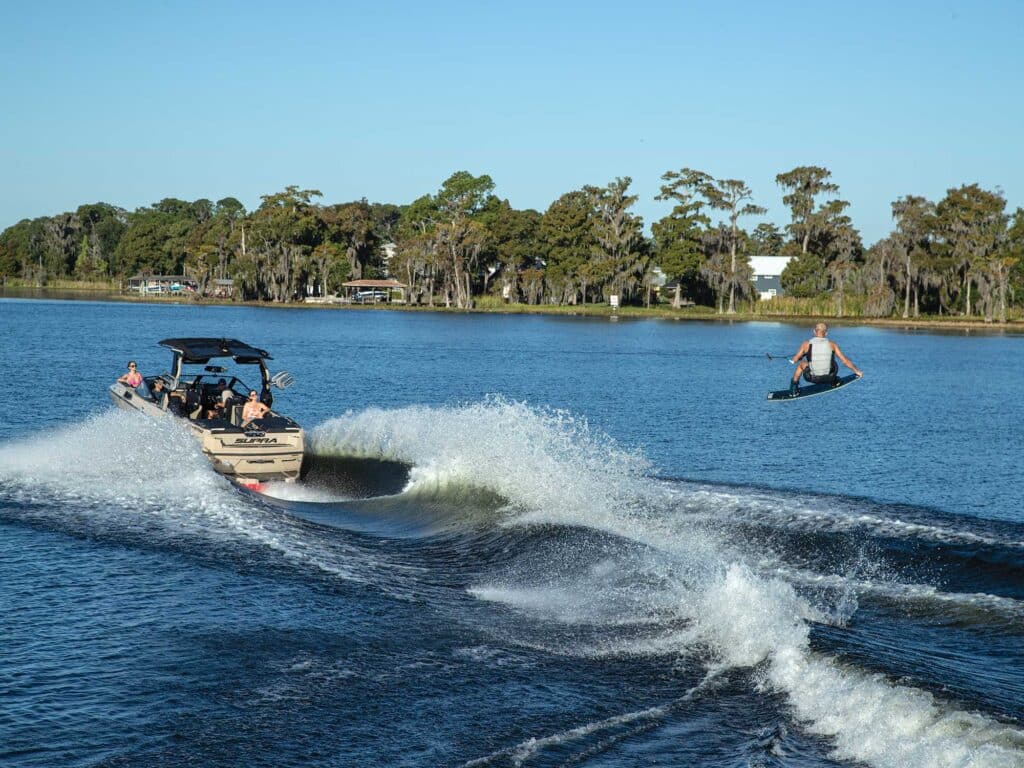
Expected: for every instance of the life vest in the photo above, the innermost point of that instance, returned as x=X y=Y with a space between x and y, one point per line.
x=820 y=355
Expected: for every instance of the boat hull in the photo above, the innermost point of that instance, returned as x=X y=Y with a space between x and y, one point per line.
x=257 y=455
x=260 y=455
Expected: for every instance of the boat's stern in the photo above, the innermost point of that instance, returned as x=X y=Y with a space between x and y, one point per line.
x=257 y=455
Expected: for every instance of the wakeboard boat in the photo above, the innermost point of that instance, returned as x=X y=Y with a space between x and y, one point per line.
x=210 y=398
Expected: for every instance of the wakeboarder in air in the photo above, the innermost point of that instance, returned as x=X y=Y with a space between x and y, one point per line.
x=817 y=361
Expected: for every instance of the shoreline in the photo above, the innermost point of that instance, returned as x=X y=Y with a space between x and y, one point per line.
x=687 y=314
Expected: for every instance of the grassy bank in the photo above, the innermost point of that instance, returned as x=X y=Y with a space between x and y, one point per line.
x=802 y=311
x=85 y=286
x=782 y=310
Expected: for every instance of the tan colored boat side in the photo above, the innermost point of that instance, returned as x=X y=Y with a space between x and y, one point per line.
x=255 y=454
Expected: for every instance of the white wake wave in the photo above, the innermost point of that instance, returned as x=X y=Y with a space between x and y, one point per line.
x=537 y=459
x=553 y=470
x=121 y=470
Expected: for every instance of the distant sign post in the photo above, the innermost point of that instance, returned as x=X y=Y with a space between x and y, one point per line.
x=614 y=300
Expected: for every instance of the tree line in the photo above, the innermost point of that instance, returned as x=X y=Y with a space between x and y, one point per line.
x=959 y=255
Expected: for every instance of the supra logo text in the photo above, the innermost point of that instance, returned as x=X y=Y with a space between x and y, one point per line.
x=255 y=440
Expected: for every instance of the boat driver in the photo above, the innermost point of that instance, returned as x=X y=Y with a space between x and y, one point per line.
x=175 y=399
x=157 y=392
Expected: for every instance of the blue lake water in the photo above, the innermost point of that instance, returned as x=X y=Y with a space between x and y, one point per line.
x=611 y=549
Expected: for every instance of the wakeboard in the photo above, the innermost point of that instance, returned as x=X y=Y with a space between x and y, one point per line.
x=809 y=390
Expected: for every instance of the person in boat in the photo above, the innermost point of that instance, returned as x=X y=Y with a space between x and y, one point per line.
x=157 y=391
x=218 y=390
x=177 y=403
x=253 y=409
x=226 y=393
x=175 y=399
x=132 y=378
x=221 y=396
x=816 y=361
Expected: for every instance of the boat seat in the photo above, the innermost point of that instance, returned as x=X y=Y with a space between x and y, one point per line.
x=236 y=415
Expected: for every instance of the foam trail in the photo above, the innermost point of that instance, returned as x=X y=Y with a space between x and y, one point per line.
x=121 y=471
x=748 y=621
x=115 y=457
x=964 y=602
x=644 y=719
x=522 y=752
x=553 y=470
x=787 y=510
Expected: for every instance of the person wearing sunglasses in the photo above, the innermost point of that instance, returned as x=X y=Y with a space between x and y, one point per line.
x=132 y=378
x=253 y=409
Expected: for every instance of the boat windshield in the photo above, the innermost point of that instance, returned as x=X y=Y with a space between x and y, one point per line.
x=213 y=385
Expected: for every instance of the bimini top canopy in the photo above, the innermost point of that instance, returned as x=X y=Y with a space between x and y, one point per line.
x=201 y=350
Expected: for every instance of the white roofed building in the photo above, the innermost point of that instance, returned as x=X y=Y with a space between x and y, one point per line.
x=767 y=271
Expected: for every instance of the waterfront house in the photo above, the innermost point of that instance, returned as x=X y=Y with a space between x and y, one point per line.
x=767 y=272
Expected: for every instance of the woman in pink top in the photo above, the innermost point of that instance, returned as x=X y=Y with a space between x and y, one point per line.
x=133 y=378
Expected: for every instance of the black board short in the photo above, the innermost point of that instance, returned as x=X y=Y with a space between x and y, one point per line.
x=827 y=378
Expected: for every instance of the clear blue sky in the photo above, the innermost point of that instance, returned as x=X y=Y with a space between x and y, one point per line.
x=130 y=102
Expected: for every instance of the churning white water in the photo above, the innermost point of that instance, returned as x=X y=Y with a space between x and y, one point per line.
x=713 y=596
